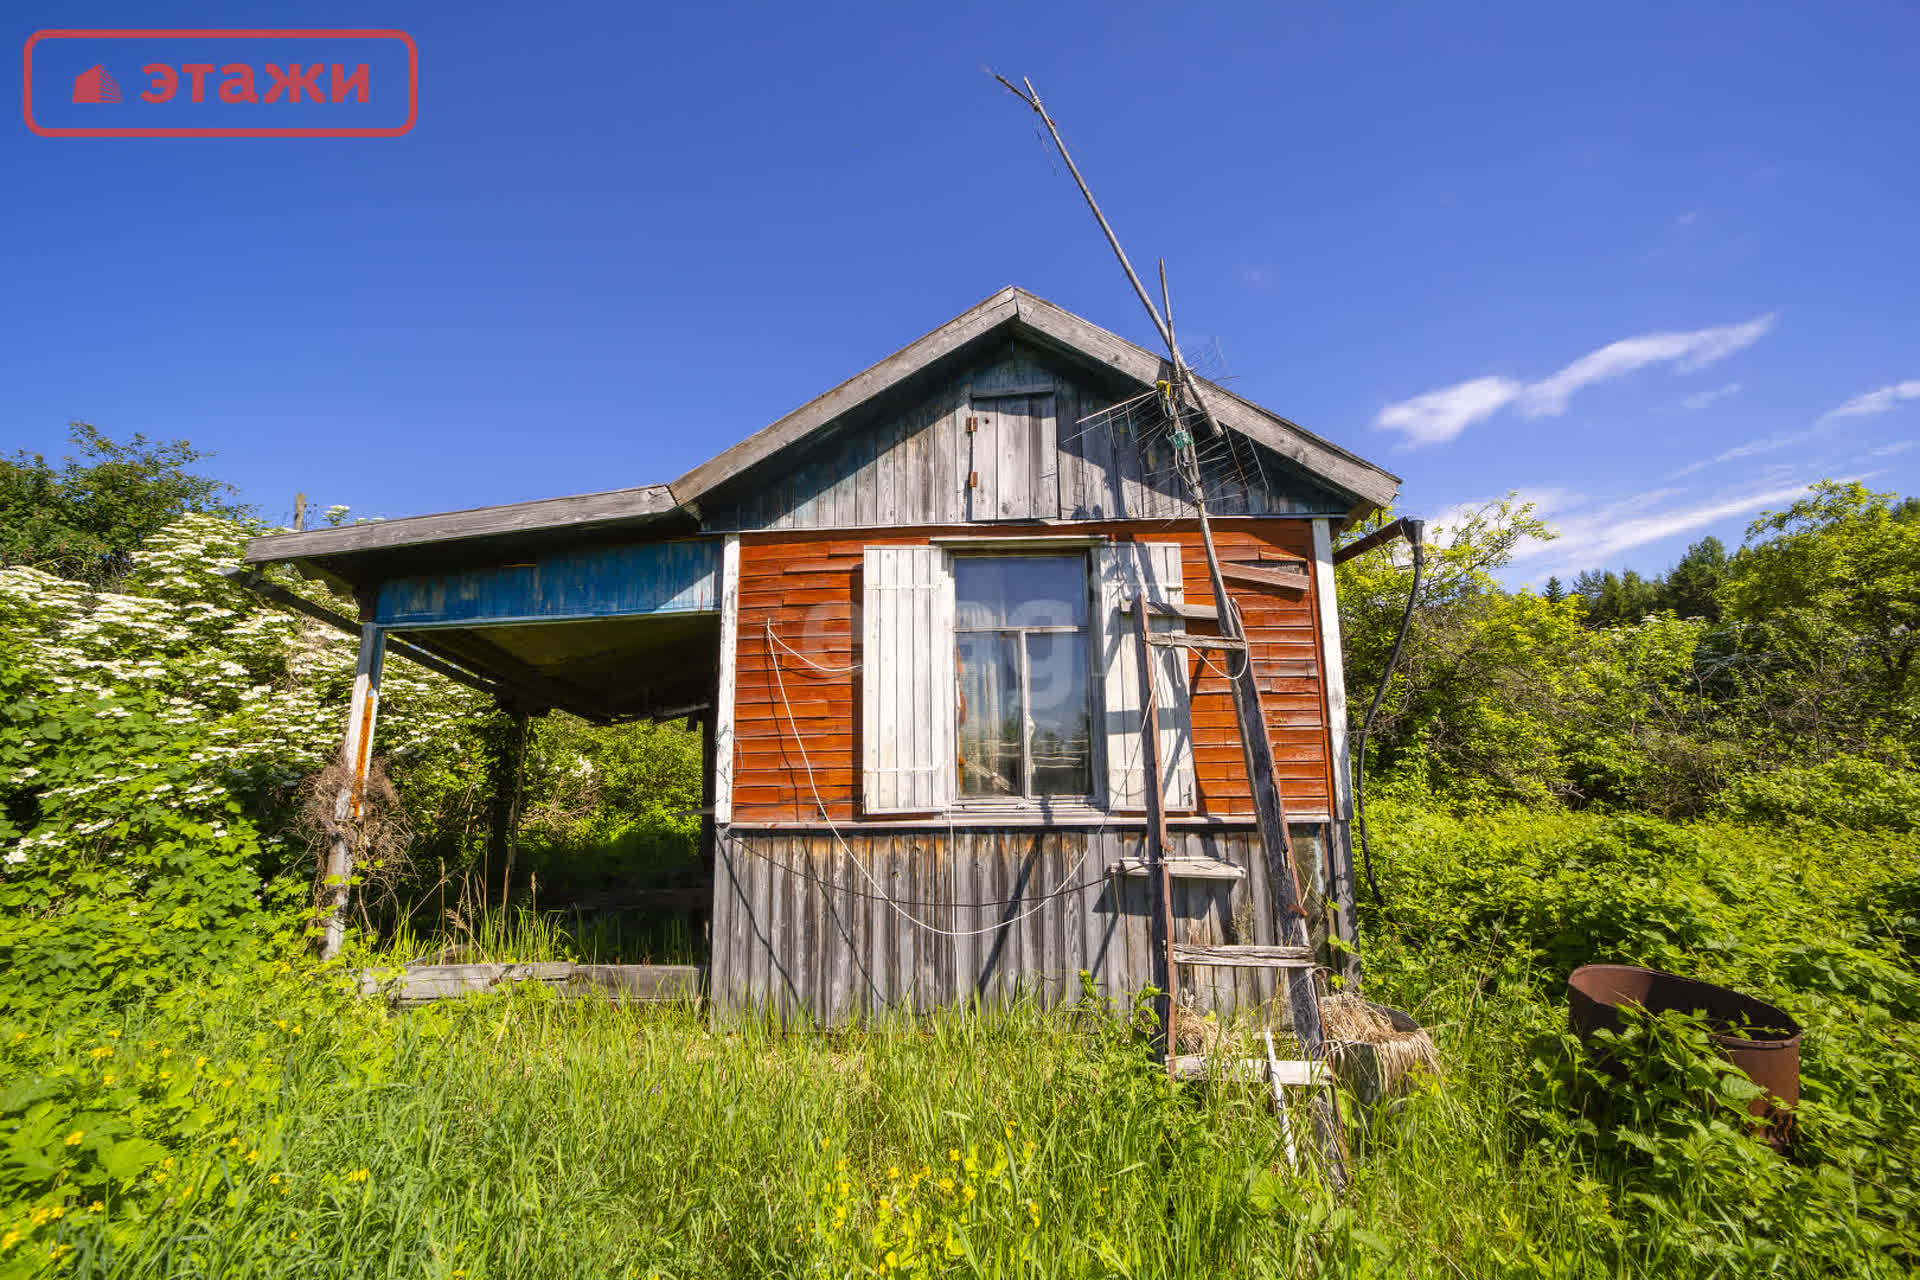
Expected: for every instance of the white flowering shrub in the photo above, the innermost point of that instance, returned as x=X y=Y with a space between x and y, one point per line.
x=151 y=742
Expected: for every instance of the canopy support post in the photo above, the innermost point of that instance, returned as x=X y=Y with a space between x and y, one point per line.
x=356 y=755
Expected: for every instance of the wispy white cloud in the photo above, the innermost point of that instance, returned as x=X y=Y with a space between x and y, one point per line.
x=1701 y=399
x=1595 y=533
x=1685 y=351
x=1436 y=417
x=1884 y=400
x=1888 y=450
x=1750 y=448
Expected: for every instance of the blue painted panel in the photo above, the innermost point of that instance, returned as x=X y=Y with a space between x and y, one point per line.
x=607 y=582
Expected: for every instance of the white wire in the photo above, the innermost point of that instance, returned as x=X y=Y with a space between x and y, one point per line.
x=823 y=670
x=879 y=893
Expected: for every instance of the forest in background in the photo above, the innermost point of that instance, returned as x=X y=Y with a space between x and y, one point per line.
x=1712 y=771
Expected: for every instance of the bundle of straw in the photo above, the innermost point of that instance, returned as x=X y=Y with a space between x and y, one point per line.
x=1376 y=1051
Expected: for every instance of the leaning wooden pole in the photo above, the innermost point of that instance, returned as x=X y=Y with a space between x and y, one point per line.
x=1290 y=921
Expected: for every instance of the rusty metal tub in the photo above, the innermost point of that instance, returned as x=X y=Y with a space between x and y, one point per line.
x=1761 y=1040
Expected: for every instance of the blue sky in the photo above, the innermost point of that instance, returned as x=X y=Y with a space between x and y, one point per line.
x=1652 y=265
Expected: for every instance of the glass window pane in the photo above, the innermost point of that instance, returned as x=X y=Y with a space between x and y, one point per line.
x=1020 y=591
x=1062 y=713
x=989 y=714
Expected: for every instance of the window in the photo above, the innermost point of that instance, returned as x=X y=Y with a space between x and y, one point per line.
x=1023 y=655
x=992 y=676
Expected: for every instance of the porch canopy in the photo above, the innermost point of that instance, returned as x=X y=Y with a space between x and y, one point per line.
x=485 y=590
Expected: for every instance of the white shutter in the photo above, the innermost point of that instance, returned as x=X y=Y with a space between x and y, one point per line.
x=1127 y=570
x=906 y=680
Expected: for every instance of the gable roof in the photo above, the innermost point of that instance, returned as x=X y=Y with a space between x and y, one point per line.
x=1051 y=325
x=354 y=553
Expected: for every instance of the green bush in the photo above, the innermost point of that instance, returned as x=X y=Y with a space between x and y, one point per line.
x=1851 y=791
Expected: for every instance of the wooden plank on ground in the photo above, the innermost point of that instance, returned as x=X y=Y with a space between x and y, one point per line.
x=621 y=982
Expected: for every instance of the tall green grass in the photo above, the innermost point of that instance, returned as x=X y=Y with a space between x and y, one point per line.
x=522 y=934
x=292 y=1128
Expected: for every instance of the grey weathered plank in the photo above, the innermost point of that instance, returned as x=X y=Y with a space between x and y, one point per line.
x=1246 y=956
x=615 y=507
x=419 y=984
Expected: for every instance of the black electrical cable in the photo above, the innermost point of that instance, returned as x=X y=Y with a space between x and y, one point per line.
x=1416 y=530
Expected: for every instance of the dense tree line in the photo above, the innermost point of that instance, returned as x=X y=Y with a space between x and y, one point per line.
x=1691 y=589
x=1675 y=694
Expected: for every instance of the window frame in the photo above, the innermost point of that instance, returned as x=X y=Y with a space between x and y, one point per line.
x=1092 y=673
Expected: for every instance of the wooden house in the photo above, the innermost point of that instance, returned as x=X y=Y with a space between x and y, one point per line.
x=902 y=614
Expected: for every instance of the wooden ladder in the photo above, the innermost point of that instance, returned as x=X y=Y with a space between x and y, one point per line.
x=1293 y=955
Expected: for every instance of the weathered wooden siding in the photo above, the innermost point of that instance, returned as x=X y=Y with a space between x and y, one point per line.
x=805 y=589
x=804 y=924
x=1030 y=453
x=680 y=576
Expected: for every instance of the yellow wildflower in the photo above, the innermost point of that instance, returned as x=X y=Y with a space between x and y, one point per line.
x=953 y=1154
x=825 y=1142
x=358 y=1175
x=113 y=1035
x=165 y=1054
x=893 y=1171
x=108 y=1079
x=946 y=1184
x=100 y=1052
x=158 y=1176
x=73 y=1139
x=253 y=1155
x=96 y=1207
x=58 y=1251
x=967 y=1191
x=200 y=1061
x=12 y=1238
x=166 y=1075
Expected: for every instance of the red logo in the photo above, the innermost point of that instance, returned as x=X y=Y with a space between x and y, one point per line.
x=95 y=84
x=228 y=83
